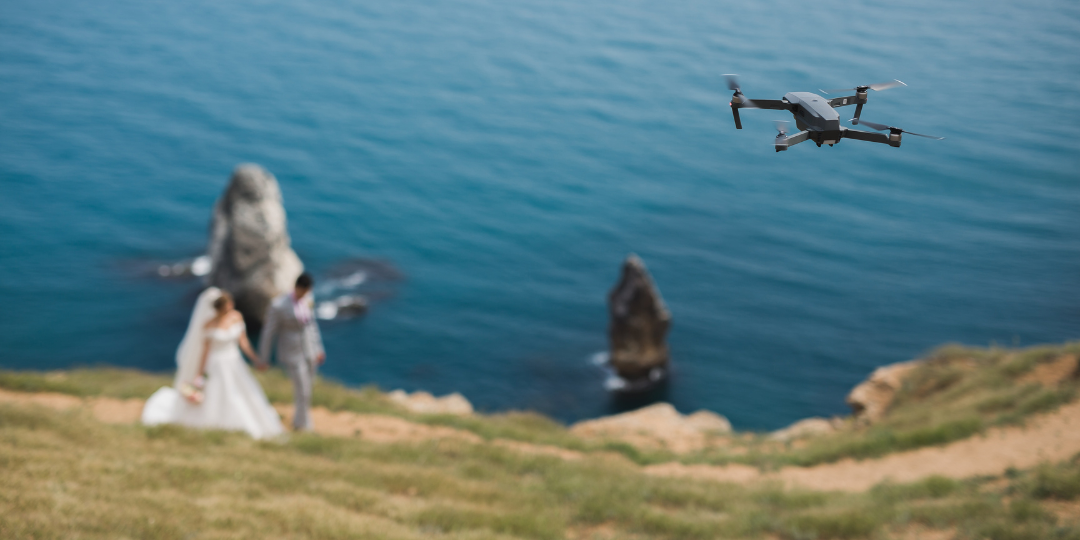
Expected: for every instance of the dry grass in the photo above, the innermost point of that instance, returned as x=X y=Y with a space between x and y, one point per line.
x=958 y=392
x=130 y=383
x=64 y=475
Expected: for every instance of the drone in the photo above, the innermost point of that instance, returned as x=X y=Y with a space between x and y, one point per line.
x=816 y=118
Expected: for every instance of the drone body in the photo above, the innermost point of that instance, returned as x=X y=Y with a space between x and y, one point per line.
x=816 y=116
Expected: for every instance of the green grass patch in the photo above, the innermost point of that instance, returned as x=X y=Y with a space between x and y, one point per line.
x=103 y=381
x=65 y=475
x=1060 y=482
x=956 y=393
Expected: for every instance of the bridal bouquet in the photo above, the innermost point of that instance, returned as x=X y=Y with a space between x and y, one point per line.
x=193 y=391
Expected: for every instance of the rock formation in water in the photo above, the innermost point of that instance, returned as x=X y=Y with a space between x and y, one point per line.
x=870 y=400
x=639 y=325
x=249 y=247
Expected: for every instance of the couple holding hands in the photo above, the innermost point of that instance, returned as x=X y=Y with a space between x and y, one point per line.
x=214 y=388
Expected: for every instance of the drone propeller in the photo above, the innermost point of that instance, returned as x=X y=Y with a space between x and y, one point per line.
x=883 y=127
x=733 y=85
x=879 y=87
x=782 y=128
x=732 y=81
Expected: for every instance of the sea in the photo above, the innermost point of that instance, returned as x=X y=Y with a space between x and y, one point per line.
x=481 y=168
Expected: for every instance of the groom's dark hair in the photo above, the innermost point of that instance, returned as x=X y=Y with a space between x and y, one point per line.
x=305 y=281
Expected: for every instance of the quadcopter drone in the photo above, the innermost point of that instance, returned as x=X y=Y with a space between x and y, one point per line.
x=816 y=118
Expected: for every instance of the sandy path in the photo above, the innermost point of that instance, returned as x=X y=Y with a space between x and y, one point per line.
x=1050 y=437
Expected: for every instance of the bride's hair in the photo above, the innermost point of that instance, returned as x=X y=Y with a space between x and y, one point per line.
x=222 y=301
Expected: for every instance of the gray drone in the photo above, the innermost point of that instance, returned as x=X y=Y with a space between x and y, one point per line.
x=816 y=118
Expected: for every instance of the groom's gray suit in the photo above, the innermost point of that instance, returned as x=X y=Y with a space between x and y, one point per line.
x=298 y=345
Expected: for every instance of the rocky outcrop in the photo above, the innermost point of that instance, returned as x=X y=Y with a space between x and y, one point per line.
x=425 y=403
x=639 y=325
x=807 y=427
x=249 y=248
x=657 y=426
x=870 y=400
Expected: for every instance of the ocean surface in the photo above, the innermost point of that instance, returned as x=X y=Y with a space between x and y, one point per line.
x=500 y=160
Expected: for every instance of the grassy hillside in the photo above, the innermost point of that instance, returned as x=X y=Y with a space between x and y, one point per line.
x=64 y=475
x=956 y=393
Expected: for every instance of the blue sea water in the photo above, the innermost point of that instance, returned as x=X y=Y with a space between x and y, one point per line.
x=506 y=156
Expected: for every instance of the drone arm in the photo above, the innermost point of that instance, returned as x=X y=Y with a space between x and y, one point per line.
x=773 y=104
x=859 y=100
x=740 y=101
x=843 y=101
x=787 y=142
x=868 y=136
x=798 y=137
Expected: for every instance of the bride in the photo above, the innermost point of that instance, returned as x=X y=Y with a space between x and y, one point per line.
x=213 y=387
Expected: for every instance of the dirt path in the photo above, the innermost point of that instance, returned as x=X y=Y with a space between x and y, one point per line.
x=1050 y=437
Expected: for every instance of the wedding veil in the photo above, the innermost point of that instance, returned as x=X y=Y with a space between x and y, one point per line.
x=191 y=347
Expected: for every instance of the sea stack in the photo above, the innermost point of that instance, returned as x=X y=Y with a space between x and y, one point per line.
x=639 y=326
x=250 y=250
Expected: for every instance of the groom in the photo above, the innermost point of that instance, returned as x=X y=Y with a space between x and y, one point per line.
x=290 y=323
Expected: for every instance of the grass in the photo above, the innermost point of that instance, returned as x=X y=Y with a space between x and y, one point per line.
x=1059 y=482
x=130 y=383
x=956 y=393
x=103 y=381
x=63 y=475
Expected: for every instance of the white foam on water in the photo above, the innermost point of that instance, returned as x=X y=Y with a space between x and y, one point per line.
x=614 y=382
x=201 y=266
x=349 y=281
x=599 y=359
x=354 y=279
x=326 y=310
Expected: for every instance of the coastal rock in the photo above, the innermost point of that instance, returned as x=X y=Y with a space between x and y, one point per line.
x=807 y=427
x=639 y=325
x=870 y=400
x=249 y=247
x=657 y=426
x=425 y=403
x=708 y=422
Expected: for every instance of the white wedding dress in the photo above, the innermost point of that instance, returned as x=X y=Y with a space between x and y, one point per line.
x=232 y=398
